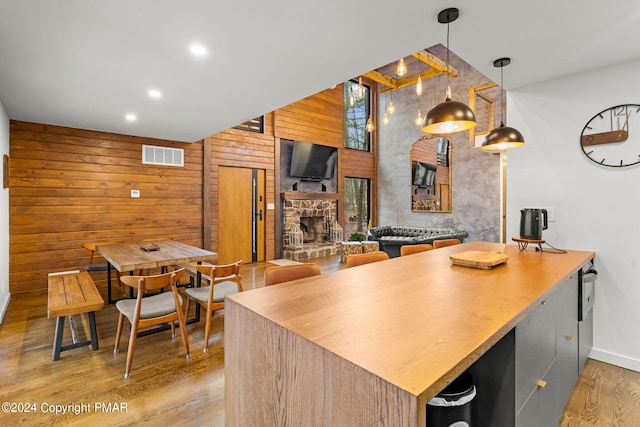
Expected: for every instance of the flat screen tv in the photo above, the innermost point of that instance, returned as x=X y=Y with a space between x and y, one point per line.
x=313 y=161
x=424 y=174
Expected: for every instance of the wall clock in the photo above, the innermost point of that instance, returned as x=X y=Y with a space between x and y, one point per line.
x=612 y=137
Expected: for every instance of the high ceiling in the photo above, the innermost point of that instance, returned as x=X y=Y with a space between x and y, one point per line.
x=88 y=63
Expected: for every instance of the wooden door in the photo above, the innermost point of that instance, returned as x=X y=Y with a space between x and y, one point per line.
x=241 y=210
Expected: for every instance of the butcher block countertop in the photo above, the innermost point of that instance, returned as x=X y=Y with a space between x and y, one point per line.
x=377 y=338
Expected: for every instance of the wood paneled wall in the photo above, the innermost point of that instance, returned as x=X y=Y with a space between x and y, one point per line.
x=69 y=186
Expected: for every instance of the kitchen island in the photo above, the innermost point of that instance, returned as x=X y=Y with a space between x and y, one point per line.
x=372 y=344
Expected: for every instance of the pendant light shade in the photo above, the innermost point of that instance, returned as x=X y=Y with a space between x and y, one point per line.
x=503 y=137
x=449 y=116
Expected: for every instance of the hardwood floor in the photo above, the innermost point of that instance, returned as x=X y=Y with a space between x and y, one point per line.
x=166 y=388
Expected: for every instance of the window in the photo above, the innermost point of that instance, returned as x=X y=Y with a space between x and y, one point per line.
x=356 y=112
x=356 y=205
x=253 y=125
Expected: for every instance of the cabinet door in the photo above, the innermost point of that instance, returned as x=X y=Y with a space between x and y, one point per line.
x=565 y=300
x=541 y=409
x=535 y=349
x=566 y=365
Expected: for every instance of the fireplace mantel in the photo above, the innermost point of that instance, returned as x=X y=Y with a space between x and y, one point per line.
x=296 y=195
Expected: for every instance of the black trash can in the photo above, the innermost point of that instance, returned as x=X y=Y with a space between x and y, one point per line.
x=452 y=406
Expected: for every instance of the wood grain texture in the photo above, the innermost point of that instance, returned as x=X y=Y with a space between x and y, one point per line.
x=166 y=387
x=72 y=294
x=341 y=314
x=130 y=256
x=605 y=395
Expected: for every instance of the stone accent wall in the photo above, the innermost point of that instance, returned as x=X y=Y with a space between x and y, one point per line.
x=293 y=210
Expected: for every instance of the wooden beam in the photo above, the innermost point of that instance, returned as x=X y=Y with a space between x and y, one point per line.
x=377 y=76
x=408 y=81
x=435 y=62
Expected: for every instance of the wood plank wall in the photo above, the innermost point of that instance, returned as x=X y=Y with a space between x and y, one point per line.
x=70 y=186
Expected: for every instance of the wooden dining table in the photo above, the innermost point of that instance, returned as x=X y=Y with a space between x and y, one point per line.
x=132 y=256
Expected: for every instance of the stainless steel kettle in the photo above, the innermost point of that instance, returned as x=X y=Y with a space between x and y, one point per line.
x=532 y=222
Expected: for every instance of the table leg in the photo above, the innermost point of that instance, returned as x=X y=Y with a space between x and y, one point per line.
x=94 y=331
x=57 y=340
x=110 y=301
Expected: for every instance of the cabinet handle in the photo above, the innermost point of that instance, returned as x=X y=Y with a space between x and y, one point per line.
x=569 y=338
x=542 y=383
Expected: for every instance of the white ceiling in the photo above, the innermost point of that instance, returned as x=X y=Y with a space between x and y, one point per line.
x=86 y=63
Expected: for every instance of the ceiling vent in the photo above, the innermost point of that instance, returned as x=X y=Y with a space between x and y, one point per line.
x=164 y=156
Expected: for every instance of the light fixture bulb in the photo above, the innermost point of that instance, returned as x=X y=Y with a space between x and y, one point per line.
x=360 y=89
x=419 y=85
x=352 y=100
x=419 y=118
x=391 y=109
x=369 y=126
x=385 y=119
x=401 y=68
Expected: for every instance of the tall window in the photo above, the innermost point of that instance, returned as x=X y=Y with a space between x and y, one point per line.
x=356 y=205
x=356 y=112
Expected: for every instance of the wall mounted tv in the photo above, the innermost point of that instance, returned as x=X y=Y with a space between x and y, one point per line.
x=313 y=161
x=424 y=174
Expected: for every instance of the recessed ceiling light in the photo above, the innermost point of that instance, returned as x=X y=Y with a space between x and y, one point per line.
x=198 y=50
x=131 y=117
x=154 y=93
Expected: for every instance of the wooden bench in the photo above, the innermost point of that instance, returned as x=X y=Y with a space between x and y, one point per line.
x=72 y=292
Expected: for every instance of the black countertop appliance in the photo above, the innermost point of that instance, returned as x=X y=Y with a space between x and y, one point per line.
x=532 y=222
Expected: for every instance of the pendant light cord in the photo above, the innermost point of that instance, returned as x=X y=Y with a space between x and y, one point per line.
x=447 y=53
x=503 y=105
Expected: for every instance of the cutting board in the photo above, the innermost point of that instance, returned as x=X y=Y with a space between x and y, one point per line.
x=479 y=259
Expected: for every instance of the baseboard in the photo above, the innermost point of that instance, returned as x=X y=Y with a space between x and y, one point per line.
x=615 y=359
x=4 y=303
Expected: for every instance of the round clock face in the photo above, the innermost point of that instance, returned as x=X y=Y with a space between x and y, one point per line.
x=612 y=137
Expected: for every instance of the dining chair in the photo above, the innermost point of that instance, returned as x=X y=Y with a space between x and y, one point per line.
x=360 y=259
x=148 y=310
x=445 y=242
x=286 y=273
x=223 y=280
x=414 y=249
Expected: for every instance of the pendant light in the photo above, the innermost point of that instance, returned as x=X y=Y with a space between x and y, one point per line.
x=401 y=68
x=449 y=116
x=369 y=126
x=502 y=137
x=360 y=88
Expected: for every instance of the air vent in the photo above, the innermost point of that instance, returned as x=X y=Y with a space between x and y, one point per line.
x=152 y=155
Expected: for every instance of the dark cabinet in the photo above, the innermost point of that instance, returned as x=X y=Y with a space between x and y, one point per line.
x=527 y=377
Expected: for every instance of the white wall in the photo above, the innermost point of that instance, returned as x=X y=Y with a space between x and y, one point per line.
x=4 y=219
x=594 y=205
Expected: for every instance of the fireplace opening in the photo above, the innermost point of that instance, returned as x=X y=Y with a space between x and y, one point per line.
x=312 y=229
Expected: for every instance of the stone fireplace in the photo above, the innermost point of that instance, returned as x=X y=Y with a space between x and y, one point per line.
x=313 y=214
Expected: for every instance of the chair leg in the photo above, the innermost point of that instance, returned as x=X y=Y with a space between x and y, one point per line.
x=186 y=306
x=116 y=348
x=132 y=347
x=207 y=330
x=183 y=331
x=173 y=328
